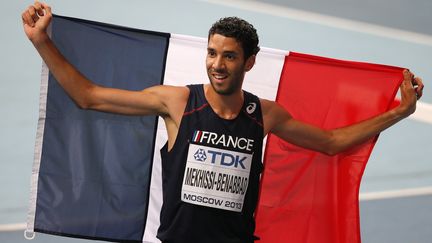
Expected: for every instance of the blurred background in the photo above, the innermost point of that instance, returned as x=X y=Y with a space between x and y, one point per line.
x=396 y=191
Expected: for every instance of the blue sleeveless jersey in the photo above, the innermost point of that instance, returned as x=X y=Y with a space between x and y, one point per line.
x=211 y=175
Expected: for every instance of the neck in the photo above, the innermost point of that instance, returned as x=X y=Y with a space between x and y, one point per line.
x=225 y=106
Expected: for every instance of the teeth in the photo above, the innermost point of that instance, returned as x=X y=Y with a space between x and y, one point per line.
x=220 y=76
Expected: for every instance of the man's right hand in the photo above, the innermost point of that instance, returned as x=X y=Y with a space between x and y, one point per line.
x=36 y=19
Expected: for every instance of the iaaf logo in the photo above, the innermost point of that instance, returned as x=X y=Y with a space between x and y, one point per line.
x=220 y=158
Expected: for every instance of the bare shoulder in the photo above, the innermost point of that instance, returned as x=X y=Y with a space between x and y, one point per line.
x=176 y=95
x=173 y=98
x=273 y=114
x=169 y=92
x=271 y=108
x=267 y=105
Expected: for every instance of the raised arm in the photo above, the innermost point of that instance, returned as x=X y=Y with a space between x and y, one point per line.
x=158 y=100
x=280 y=122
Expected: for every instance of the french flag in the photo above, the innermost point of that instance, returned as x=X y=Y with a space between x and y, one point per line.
x=97 y=175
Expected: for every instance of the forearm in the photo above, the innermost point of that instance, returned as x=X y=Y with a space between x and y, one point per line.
x=75 y=84
x=278 y=121
x=347 y=137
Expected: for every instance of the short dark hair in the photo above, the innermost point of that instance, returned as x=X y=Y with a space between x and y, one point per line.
x=239 y=29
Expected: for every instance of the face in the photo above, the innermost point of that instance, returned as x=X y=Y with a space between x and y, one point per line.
x=225 y=63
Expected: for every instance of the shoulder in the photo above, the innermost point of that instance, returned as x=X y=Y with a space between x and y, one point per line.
x=167 y=98
x=169 y=92
x=172 y=88
x=273 y=114
x=178 y=95
x=270 y=107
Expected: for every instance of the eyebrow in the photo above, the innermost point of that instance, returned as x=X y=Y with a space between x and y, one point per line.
x=231 y=52
x=225 y=52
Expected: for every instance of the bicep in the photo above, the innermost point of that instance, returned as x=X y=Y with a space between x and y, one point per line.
x=150 y=101
x=297 y=132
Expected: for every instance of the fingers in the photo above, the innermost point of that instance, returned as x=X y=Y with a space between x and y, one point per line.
x=34 y=12
x=27 y=16
x=39 y=8
x=47 y=9
x=408 y=79
x=408 y=75
x=413 y=82
x=418 y=86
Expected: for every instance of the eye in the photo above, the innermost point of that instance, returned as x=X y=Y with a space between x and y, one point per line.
x=230 y=56
x=211 y=53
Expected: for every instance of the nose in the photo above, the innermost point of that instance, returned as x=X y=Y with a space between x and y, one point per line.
x=218 y=63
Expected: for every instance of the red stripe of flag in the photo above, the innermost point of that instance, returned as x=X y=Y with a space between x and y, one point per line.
x=308 y=197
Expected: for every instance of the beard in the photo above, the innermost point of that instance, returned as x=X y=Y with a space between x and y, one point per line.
x=228 y=87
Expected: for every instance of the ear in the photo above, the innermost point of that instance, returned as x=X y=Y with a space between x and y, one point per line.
x=250 y=62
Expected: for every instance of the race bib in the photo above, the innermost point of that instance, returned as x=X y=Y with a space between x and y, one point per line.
x=216 y=178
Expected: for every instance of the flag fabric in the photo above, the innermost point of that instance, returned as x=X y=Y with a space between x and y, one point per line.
x=307 y=196
x=97 y=175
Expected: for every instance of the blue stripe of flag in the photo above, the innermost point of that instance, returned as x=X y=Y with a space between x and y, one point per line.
x=95 y=167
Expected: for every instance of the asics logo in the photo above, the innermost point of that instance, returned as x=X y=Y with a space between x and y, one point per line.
x=251 y=107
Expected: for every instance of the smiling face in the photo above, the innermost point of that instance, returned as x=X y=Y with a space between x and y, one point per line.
x=225 y=63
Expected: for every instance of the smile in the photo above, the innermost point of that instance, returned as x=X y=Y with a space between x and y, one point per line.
x=220 y=76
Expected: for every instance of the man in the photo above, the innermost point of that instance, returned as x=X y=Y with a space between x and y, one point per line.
x=210 y=123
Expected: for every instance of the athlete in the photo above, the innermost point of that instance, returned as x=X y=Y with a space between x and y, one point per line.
x=216 y=122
